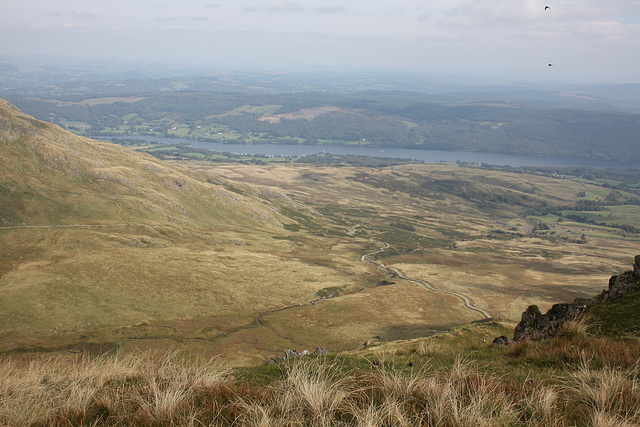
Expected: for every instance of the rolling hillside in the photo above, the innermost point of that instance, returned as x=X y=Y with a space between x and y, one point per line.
x=106 y=248
x=100 y=243
x=51 y=177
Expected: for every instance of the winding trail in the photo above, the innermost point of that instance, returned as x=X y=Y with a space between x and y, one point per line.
x=257 y=321
x=396 y=273
x=13 y=227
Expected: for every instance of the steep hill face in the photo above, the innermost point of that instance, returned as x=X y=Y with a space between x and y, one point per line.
x=51 y=177
x=99 y=243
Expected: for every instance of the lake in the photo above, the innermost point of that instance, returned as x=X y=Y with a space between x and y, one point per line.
x=429 y=156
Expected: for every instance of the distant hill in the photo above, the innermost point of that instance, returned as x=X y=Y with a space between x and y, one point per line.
x=60 y=76
x=527 y=122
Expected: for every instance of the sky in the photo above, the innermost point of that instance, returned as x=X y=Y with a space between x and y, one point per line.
x=585 y=40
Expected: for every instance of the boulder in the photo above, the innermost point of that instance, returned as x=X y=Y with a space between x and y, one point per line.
x=502 y=340
x=321 y=350
x=291 y=354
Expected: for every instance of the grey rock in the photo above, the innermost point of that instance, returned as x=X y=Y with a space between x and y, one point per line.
x=290 y=354
x=502 y=340
x=536 y=326
x=629 y=281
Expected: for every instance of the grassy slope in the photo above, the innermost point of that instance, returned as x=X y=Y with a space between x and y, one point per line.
x=100 y=243
x=144 y=270
x=158 y=255
x=620 y=318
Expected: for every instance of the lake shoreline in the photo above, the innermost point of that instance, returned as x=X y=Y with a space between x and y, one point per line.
x=427 y=156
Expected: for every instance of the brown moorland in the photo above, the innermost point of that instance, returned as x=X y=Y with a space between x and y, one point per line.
x=103 y=247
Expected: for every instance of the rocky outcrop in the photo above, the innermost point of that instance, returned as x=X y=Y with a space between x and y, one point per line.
x=629 y=281
x=537 y=326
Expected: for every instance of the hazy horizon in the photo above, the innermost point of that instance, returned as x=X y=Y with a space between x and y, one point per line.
x=586 y=41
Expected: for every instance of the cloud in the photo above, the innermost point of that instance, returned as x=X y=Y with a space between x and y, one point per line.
x=570 y=25
x=446 y=35
x=330 y=9
x=490 y=12
x=477 y=13
x=603 y=31
x=284 y=6
x=83 y=14
x=167 y=19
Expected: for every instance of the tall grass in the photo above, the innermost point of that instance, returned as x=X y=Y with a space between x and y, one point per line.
x=177 y=389
x=608 y=394
x=135 y=388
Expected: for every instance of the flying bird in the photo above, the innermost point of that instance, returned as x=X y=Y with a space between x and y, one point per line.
x=547 y=7
x=550 y=65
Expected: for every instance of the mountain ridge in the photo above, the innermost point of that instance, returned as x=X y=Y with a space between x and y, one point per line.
x=165 y=192
x=372 y=119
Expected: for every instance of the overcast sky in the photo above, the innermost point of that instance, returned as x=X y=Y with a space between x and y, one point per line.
x=585 y=40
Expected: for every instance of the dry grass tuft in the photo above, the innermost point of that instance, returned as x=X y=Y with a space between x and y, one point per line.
x=572 y=347
x=575 y=329
x=180 y=390
x=428 y=347
x=312 y=391
x=127 y=389
x=607 y=393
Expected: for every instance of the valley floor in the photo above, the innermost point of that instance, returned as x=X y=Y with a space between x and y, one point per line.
x=250 y=293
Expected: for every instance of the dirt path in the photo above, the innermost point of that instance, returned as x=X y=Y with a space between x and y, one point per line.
x=257 y=322
x=396 y=273
x=64 y=226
